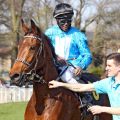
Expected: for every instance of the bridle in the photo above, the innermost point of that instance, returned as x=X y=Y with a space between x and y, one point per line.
x=39 y=50
x=32 y=75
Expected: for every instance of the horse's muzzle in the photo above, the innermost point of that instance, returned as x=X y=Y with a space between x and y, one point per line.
x=16 y=79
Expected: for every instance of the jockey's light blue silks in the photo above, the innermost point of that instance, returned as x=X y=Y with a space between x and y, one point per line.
x=70 y=44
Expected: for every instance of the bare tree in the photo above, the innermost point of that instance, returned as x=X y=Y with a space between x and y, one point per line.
x=80 y=11
x=40 y=11
x=106 y=17
x=4 y=15
x=16 y=13
x=107 y=26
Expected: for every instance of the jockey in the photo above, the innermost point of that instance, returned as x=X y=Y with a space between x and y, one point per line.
x=69 y=43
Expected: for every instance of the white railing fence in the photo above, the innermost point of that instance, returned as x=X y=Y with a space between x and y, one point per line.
x=14 y=94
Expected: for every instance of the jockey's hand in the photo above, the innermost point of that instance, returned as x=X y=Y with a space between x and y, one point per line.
x=54 y=84
x=77 y=71
x=61 y=61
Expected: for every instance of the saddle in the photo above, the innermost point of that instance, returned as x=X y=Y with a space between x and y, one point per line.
x=91 y=97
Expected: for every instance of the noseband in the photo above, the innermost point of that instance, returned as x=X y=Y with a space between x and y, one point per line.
x=32 y=75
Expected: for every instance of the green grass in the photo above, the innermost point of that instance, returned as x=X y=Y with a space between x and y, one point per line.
x=12 y=111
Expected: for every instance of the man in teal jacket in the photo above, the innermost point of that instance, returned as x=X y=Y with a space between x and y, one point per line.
x=109 y=86
x=69 y=43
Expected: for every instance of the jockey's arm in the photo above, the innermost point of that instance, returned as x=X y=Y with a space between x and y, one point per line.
x=74 y=87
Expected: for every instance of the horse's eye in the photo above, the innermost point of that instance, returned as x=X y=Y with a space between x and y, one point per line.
x=32 y=48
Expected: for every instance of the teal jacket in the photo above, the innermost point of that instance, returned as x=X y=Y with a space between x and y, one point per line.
x=112 y=89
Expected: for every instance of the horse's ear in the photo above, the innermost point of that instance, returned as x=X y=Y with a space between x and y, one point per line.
x=33 y=27
x=24 y=26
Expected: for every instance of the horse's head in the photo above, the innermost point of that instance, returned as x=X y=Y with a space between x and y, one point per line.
x=31 y=58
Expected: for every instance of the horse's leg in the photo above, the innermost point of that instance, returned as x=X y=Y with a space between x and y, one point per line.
x=30 y=113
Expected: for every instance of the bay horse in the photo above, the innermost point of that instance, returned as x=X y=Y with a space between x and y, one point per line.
x=36 y=62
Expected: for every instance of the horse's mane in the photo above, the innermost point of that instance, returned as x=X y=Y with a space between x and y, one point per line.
x=51 y=47
x=44 y=37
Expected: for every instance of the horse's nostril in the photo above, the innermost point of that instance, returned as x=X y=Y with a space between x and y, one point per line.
x=15 y=76
x=14 y=79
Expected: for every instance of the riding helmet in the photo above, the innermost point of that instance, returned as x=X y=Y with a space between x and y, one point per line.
x=61 y=9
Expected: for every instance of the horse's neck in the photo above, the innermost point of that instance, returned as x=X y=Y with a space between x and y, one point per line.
x=49 y=73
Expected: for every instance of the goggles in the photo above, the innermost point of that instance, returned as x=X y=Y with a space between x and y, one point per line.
x=63 y=21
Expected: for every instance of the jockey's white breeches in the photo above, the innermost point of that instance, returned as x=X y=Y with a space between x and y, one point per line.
x=68 y=75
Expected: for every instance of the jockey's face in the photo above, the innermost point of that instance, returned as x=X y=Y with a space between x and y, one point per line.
x=112 y=68
x=64 y=22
